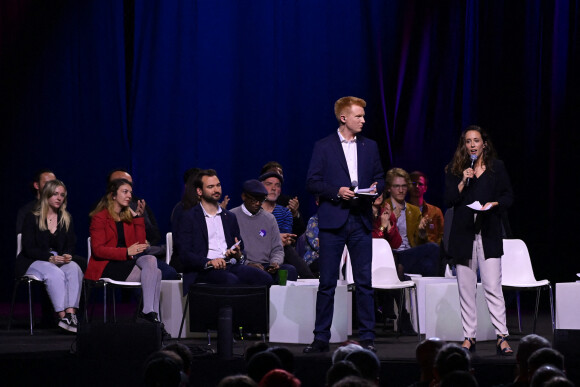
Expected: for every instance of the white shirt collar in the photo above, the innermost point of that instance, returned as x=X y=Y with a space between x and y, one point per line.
x=343 y=140
x=245 y=211
x=219 y=211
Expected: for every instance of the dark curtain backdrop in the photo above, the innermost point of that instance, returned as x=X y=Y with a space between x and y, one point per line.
x=161 y=86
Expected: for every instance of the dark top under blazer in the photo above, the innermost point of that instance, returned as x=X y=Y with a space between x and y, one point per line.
x=493 y=185
x=328 y=172
x=36 y=245
x=193 y=243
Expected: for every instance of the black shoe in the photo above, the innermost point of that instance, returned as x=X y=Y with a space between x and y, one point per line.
x=150 y=317
x=507 y=351
x=317 y=346
x=404 y=325
x=368 y=344
x=471 y=341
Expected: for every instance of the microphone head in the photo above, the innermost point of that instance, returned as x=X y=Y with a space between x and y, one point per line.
x=473 y=157
x=354 y=183
x=232 y=261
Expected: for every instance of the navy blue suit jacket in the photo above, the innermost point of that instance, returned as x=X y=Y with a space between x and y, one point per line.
x=193 y=244
x=328 y=172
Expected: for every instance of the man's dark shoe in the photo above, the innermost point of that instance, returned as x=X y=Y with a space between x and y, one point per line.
x=368 y=344
x=317 y=346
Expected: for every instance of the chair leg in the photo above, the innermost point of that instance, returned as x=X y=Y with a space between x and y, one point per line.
x=30 y=305
x=105 y=302
x=519 y=310
x=16 y=283
x=183 y=317
x=114 y=295
x=537 y=307
x=402 y=301
x=552 y=307
x=417 y=312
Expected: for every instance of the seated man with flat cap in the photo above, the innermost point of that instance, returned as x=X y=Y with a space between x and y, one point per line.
x=259 y=230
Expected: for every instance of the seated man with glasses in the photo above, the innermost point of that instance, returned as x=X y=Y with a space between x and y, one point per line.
x=432 y=213
x=416 y=254
x=260 y=233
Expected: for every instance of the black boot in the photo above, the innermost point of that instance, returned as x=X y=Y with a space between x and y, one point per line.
x=404 y=325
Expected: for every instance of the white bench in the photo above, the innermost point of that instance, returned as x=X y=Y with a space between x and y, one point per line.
x=293 y=313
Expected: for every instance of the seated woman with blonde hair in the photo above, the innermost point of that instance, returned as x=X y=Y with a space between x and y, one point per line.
x=48 y=243
x=118 y=245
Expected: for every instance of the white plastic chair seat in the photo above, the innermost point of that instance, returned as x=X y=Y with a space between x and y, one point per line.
x=32 y=277
x=120 y=283
x=380 y=282
x=531 y=284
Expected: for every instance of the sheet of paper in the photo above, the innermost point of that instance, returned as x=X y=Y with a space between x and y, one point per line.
x=364 y=190
x=477 y=206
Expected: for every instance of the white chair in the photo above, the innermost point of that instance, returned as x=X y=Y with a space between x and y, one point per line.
x=29 y=279
x=384 y=273
x=108 y=282
x=517 y=273
x=168 y=247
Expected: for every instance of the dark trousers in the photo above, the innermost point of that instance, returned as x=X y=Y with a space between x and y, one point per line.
x=358 y=239
x=235 y=275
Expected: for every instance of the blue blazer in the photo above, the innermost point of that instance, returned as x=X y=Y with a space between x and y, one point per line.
x=193 y=244
x=328 y=172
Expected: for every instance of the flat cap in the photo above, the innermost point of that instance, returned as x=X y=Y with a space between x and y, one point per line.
x=254 y=187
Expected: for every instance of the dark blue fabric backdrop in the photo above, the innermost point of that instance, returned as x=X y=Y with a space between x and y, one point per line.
x=161 y=86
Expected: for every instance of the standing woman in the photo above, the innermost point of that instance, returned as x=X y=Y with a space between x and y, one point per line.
x=118 y=243
x=48 y=243
x=475 y=240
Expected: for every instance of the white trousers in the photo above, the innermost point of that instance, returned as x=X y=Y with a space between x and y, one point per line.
x=490 y=271
x=63 y=283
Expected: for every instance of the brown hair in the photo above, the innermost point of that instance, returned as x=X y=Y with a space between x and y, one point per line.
x=461 y=158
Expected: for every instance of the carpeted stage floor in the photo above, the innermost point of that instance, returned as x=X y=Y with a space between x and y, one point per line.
x=49 y=357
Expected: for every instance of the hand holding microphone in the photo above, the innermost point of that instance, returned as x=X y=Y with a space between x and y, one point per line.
x=473 y=159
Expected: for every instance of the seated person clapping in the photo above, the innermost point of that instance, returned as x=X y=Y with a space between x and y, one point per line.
x=118 y=243
x=48 y=243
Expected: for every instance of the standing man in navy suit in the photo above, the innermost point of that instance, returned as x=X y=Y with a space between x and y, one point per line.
x=340 y=162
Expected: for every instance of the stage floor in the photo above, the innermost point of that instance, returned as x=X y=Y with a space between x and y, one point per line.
x=49 y=358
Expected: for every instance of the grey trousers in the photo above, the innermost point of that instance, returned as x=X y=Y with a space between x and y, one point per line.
x=490 y=271
x=146 y=272
x=63 y=283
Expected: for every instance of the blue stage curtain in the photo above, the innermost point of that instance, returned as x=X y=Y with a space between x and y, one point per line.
x=160 y=86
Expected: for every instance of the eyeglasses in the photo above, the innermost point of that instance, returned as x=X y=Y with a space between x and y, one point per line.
x=397 y=186
x=416 y=183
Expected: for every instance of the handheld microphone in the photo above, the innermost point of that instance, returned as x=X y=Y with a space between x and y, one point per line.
x=473 y=158
x=231 y=261
x=353 y=185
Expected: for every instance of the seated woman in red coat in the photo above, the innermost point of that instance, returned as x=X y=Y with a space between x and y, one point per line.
x=48 y=242
x=118 y=246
